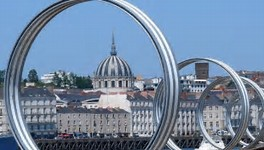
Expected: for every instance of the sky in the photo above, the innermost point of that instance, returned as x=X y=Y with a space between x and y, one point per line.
x=79 y=38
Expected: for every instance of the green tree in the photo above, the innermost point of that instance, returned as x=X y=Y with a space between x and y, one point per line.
x=2 y=77
x=57 y=81
x=33 y=76
x=83 y=82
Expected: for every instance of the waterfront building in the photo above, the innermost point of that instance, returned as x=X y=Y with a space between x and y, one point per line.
x=186 y=124
x=113 y=73
x=142 y=113
x=39 y=108
x=104 y=121
x=214 y=114
x=3 y=120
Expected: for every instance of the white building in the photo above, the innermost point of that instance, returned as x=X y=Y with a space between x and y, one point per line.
x=190 y=83
x=142 y=113
x=39 y=108
x=186 y=124
x=47 y=78
x=3 y=120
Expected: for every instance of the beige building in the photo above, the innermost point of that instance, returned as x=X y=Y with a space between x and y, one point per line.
x=94 y=121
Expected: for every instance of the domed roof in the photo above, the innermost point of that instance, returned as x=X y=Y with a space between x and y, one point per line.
x=113 y=66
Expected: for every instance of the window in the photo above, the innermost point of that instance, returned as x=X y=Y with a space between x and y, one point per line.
x=112 y=83
x=106 y=84
x=120 y=83
x=107 y=122
x=217 y=124
x=216 y=107
x=216 y=115
x=211 y=116
x=211 y=124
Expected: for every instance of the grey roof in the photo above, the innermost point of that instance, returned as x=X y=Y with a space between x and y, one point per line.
x=77 y=97
x=36 y=92
x=113 y=66
x=213 y=100
x=92 y=111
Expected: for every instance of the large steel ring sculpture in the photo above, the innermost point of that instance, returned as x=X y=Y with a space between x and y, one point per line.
x=202 y=98
x=23 y=44
x=166 y=99
x=242 y=93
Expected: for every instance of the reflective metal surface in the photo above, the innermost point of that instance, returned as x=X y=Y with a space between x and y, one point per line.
x=167 y=96
x=242 y=93
x=23 y=44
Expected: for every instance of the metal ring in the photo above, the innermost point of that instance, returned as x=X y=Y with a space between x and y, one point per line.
x=23 y=44
x=229 y=126
x=158 y=105
x=242 y=93
x=257 y=139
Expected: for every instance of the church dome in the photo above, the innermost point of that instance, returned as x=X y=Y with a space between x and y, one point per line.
x=113 y=66
x=113 y=72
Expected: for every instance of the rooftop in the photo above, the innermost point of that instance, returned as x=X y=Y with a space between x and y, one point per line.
x=92 y=111
x=35 y=92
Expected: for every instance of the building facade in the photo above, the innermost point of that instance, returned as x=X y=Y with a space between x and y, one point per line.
x=214 y=114
x=3 y=120
x=189 y=83
x=39 y=108
x=186 y=124
x=104 y=121
x=142 y=113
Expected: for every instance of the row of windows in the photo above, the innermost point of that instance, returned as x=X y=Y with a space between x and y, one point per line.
x=113 y=84
x=190 y=104
x=211 y=124
x=41 y=127
x=39 y=110
x=40 y=119
x=108 y=122
x=211 y=116
x=38 y=102
x=79 y=129
x=146 y=104
x=87 y=115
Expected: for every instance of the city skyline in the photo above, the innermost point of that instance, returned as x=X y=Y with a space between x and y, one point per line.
x=194 y=29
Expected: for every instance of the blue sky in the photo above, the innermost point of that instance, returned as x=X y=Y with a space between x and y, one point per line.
x=79 y=38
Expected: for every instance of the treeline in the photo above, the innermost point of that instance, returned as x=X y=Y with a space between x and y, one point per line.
x=2 y=76
x=60 y=79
